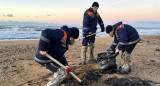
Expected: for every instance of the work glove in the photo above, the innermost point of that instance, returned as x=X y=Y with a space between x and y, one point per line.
x=68 y=70
x=117 y=52
x=43 y=53
x=110 y=50
x=102 y=30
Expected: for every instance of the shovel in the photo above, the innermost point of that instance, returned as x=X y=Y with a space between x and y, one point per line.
x=88 y=36
x=50 y=57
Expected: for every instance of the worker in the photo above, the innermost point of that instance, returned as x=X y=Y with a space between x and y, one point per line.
x=56 y=42
x=90 y=20
x=126 y=37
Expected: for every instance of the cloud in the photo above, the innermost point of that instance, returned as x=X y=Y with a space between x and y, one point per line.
x=9 y=15
x=49 y=15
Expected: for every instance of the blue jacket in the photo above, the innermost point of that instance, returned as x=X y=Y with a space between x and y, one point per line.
x=90 y=21
x=52 y=42
x=124 y=35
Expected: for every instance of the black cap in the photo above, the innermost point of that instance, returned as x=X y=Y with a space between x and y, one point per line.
x=109 y=28
x=74 y=32
x=95 y=4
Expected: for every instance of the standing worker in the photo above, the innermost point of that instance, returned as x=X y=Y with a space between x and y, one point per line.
x=56 y=42
x=90 y=20
x=127 y=37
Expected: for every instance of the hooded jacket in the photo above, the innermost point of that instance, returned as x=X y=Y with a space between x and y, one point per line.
x=124 y=35
x=90 y=21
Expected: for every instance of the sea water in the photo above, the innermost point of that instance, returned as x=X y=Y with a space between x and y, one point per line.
x=22 y=32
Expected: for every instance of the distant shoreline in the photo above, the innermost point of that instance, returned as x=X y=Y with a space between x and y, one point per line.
x=80 y=37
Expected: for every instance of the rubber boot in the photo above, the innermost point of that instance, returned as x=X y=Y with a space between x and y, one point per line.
x=83 y=55
x=91 y=52
x=59 y=76
x=125 y=68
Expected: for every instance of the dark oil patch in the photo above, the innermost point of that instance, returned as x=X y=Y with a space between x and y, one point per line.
x=131 y=81
x=88 y=79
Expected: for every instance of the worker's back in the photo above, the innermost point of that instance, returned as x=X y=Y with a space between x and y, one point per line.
x=56 y=48
x=132 y=33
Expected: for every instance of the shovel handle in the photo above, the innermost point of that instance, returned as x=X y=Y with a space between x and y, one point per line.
x=88 y=36
x=50 y=57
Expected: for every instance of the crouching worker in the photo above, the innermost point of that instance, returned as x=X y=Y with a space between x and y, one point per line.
x=127 y=37
x=56 y=42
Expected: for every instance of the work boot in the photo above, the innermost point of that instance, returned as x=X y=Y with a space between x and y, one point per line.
x=83 y=55
x=125 y=68
x=59 y=76
x=91 y=51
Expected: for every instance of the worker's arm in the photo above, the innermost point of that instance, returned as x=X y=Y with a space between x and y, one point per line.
x=86 y=23
x=64 y=61
x=114 y=44
x=46 y=36
x=100 y=22
x=122 y=38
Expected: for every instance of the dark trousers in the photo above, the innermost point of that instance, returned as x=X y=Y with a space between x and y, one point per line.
x=88 y=40
x=52 y=66
x=129 y=48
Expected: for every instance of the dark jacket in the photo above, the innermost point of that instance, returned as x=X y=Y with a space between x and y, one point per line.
x=51 y=42
x=125 y=35
x=90 y=21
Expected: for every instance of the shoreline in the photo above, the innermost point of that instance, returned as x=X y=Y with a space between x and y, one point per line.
x=80 y=37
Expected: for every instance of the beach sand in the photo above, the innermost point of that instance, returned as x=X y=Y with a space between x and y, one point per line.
x=18 y=68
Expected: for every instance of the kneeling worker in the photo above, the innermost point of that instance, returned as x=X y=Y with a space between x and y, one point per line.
x=56 y=42
x=127 y=37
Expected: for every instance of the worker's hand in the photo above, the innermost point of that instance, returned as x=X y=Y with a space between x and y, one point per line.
x=102 y=30
x=42 y=53
x=68 y=70
x=117 y=51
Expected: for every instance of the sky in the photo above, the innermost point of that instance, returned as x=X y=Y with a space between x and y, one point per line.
x=72 y=11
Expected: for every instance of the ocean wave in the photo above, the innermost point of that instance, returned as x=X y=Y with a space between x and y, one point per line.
x=33 y=32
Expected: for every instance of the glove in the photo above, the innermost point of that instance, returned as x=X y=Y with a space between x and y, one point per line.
x=102 y=30
x=68 y=70
x=43 y=53
x=117 y=51
x=110 y=50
